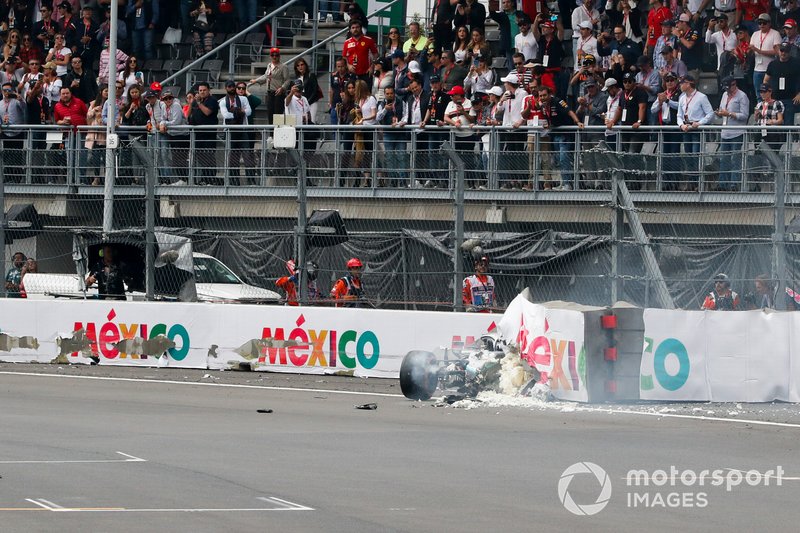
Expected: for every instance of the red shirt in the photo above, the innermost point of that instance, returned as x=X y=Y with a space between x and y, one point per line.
x=291 y=289
x=654 y=20
x=76 y=111
x=357 y=53
x=752 y=8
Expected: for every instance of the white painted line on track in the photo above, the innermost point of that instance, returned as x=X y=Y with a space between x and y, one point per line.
x=285 y=504
x=195 y=383
x=130 y=459
x=40 y=504
x=693 y=417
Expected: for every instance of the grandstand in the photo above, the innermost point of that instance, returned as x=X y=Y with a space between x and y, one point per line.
x=630 y=221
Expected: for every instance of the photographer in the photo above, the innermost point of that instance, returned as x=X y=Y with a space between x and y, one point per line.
x=10 y=72
x=722 y=298
x=12 y=112
x=203 y=112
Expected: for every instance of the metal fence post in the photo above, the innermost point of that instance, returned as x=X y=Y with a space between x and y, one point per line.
x=617 y=235
x=3 y=222
x=300 y=230
x=779 y=234
x=458 y=212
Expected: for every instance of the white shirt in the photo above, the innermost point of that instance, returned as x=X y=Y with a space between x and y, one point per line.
x=242 y=102
x=581 y=14
x=724 y=43
x=526 y=45
x=368 y=109
x=694 y=107
x=61 y=69
x=298 y=107
x=464 y=130
x=416 y=109
x=764 y=41
x=584 y=46
x=739 y=105
x=512 y=109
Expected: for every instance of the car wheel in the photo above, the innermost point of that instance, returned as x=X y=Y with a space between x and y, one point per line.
x=419 y=375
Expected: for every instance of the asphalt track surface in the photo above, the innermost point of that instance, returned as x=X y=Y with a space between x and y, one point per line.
x=125 y=449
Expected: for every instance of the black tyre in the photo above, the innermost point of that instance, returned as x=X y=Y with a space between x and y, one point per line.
x=419 y=375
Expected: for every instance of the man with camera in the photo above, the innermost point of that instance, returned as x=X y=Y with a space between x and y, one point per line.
x=235 y=111
x=203 y=112
x=12 y=112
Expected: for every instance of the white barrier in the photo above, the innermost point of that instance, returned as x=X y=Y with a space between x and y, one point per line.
x=365 y=341
x=738 y=356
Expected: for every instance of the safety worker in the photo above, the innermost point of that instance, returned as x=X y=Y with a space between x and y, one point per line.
x=289 y=283
x=722 y=298
x=478 y=289
x=348 y=290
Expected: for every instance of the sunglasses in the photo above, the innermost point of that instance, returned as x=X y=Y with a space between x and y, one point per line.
x=167 y=98
x=275 y=55
x=33 y=64
x=242 y=88
x=518 y=64
x=762 y=22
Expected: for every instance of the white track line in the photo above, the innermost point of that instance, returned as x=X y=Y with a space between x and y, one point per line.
x=285 y=503
x=225 y=385
x=42 y=505
x=692 y=417
x=131 y=459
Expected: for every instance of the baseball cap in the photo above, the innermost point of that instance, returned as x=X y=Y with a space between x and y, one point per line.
x=610 y=82
x=585 y=25
x=790 y=23
x=785 y=47
x=496 y=90
x=50 y=65
x=589 y=58
x=726 y=82
x=629 y=76
x=166 y=94
x=764 y=17
x=512 y=78
x=435 y=79
x=414 y=67
x=685 y=17
x=666 y=50
x=741 y=27
x=297 y=83
x=670 y=76
x=275 y=51
x=548 y=24
x=590 y=83
x=155 y=86
x=150 y=94
x=229 y=83
x=764 y=87
x=668 y=22
x=688 y=78
x=458 y=89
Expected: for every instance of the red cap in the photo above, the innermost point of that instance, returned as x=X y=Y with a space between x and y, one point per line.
x=155 y=86
x=274 y=50
x=548 y=24
x=458 y=89
x=790 y=23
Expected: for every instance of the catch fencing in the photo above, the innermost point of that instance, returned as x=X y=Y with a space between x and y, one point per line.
x=578 y=215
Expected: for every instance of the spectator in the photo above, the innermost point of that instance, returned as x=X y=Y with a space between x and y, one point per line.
x=665 y=111
x=177 y=139
x=66 y=23
x=81 y=80
x=416 y=105
x=792 y=37
x=204 y=13
x=471 y=14
x=246 y=11
x=96 y=138
x=431 y=140
x=442 y=19
x=587 y=12
x=743 y=62
x=783 y=76
x=133 y=114
x=359 y=51
x=481 y=115
x=525 y=42
x=770 y=112
x=523 y=70
x=507 y=21
x=461 y=45
x=311 y=89
x=12 y=46
x=613 y=102
x=226 y=18
x=348 y=290
x=512 y=102
x=765 y=294
x=12 y=111
x=457 y=115
x=346 y=113
x=187 y=107
x=400 y=73
x=478 y=46
x=122 y=29
x=665 y=39
x=103 y=68
x=480 y=78
x=60 y=54
x=355 y=12
x=551 y=52
x=764 y=43
x=366 y=113
x=131 y=76
x=87 y=46
x=727 y=9
x=722 y=298
x=278 y=79
x=648 y=80
x=392 y=42
x=734 y=109
x=694 y=110
x=415 y=40
x=52 y=85
x=108 y=274
x=626 y=14
x=119 y=95
x=672 y=64
x=28 y=51
x=39 y=112
x=143 y=16
x=336 y=87
x=585 y=74
x=451 y=73
x=14 y=275
x=45 y=29
x=203 y=112
x=656 y=18
x=10 y=73
x=297 y=105
x=591 y=106
x=585 y=43
x=32 y=267
x=556 y=114
x=382 y=77
x=722 y=37
x=155 y=111
x=478 y=292
x=748 y=11
x=391 y=112
x=690 y=47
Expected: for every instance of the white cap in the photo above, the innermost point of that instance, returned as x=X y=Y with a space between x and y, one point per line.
x=496 y=90
x=610 y=82
x=511 y=78
x=414 y=67
x=585 y=25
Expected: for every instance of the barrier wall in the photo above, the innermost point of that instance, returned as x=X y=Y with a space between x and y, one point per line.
x=366 y=342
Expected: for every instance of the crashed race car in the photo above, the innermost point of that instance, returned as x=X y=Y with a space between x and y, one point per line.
x=491 y=365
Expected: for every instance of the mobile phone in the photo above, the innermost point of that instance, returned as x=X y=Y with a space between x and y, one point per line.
x=553 y=18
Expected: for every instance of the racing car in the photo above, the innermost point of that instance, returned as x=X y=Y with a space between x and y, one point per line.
x=470 y=372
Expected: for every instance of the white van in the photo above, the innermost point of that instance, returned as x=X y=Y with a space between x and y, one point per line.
x=214 y=281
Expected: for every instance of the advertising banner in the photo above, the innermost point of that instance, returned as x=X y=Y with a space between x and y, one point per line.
x=552 y=340
x=364 y=342
x=717 y=356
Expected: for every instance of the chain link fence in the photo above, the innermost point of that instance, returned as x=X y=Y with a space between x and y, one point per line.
x=574 y=215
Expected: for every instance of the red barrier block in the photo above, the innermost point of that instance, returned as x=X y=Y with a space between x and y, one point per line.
x=611 y=386
x=608 y=321
x=610 y=354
